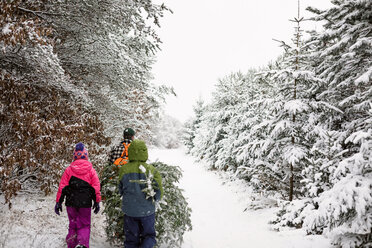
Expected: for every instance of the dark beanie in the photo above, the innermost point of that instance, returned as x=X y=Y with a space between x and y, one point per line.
x=129 y=132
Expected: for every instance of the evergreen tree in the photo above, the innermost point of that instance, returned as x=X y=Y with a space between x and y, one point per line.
x=304 y=129
x=188 y=135
x=192 y=125
x=231 y=92
x=172 y=212
x=293 y=115
x=251 y=125
x=214 y=136
x=173 y=216
x=338 y=175
x=344 y=52
x=108 y=49
x=112 y=202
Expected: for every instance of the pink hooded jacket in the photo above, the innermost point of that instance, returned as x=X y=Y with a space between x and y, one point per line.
x=81 y=169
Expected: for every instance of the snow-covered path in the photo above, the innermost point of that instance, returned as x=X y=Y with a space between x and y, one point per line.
x=218 y=215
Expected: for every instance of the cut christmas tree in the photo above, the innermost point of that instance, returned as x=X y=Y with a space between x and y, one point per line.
x=172 y=212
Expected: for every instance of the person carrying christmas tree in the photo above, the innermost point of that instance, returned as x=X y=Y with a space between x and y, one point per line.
x=81 y=187
x=119 y=154
x=140 y=186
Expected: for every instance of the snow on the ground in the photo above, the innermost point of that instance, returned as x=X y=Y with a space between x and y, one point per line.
x=31 y=222
x=218 y=216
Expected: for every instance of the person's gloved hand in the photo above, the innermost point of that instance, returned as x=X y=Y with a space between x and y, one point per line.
x=96 y=207
x=57 y=208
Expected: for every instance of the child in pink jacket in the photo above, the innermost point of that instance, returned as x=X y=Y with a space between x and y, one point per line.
x=80 y=186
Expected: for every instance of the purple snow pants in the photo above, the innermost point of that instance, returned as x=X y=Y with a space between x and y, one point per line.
x=79 y=227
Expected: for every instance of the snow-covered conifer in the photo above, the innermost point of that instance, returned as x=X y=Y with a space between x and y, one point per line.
x=172 y=212
x=293 y=115
x=108 y=49
x=193 y=124
x=214 y=138
x=344 y=52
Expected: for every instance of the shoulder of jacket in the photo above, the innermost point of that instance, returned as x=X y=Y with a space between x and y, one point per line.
x=115 y=147
x=123 y=170
x=67 y=173
x=130 y=167
x=68 y=169
x=93 y=171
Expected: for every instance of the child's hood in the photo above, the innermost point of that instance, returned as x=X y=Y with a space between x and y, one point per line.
x=81 y=166
x=137 y=151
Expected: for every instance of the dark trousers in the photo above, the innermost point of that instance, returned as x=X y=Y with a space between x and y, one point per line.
x=139 y=231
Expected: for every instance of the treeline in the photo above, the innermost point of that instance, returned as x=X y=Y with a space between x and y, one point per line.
x=72 y=71
x=300 y=129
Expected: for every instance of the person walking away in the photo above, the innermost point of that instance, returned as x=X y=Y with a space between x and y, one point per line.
x=81 y=187
x=137 y=205
x=119 y=153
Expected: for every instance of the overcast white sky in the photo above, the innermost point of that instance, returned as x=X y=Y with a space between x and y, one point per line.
x=204 y=40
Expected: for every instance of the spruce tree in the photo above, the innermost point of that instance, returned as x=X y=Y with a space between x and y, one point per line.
x=344 y=52
x=192 y=125
x=172 y=212
x=286 y=148
x=338 y=176
x=214 y=137
x=251 y=126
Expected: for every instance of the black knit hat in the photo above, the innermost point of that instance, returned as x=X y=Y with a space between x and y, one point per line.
x=129 y=132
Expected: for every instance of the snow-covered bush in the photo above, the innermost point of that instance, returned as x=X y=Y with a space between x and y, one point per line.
x=38 y=137
x=292 y=214
x=40 y=116
x=344 y=213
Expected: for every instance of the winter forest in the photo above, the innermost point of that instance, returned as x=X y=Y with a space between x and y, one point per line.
x=297 y=131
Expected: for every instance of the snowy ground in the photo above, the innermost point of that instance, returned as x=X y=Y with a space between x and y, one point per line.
x=218 y=216
x=32 y=223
